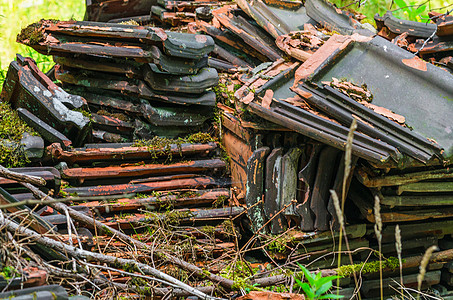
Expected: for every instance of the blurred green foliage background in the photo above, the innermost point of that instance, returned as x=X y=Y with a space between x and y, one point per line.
x=16 y=14
x=414 y=10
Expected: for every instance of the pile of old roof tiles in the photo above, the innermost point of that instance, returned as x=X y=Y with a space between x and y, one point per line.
x=124 y=93
x=401 y=148
x=295 y=77
x=137 y=82
x=168 y=190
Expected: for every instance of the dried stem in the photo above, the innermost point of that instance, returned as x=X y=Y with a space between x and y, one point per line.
x=101 y=228
x=423 y=264
x=336 y=203
x=107 y=259
x=399 y=251
x=378 y=231
x=347 y=170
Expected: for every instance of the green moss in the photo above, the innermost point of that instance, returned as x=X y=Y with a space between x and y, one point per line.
x=157 y=193
x=220 y=201
x=199 y=138
x=131 y=268
x=188 y=194
x=85 y=113
x=31 y=35
x=206 y=273
x=172 y=217
x=223 y=95
x=228 y=227
x=161 y=143
x=209 y=230
x=175 y=216
x=369 y=267
x=11 y=126
x=12 y=155
x=106 y=230
x=178 y=273
x=165 y=204
x=239 y=271
x=63 y=194
x=119 y=116
x=280 y=244
x=161 y=146
x=12 y=129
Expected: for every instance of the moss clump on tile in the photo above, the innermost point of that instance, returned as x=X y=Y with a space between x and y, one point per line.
x=162 y=146
x=159 y=143
x=11 y=126
x=31 y=35
x=369 y=267
x=280 y=244
x=12 y=129
x=84 y=112
x=220 y=201
x=199 y=138
x=239 y=272
x=119 y=116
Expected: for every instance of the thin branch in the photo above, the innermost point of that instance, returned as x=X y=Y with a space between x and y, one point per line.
x=107 y=259
x=33 y=202
x=102 y=228
x=131 y=274
x=4 y=172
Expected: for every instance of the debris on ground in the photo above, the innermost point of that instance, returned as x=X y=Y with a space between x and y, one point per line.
x=206 y=148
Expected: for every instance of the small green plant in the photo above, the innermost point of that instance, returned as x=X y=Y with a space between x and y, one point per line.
x=8 y=272
x=317 y=286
